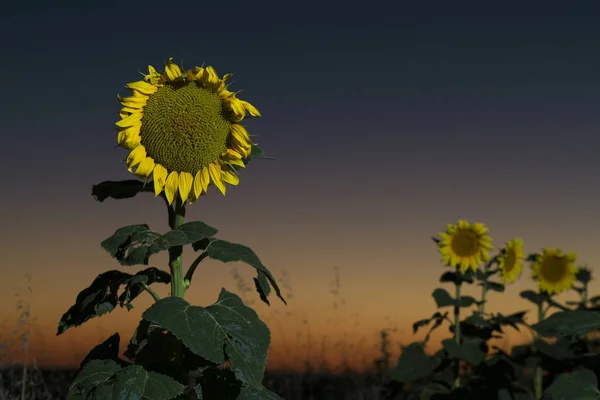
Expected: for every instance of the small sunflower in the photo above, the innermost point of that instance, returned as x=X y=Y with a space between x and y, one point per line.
x=554 y=271
x=183 y=130
x=510 y=260
x=465 y=246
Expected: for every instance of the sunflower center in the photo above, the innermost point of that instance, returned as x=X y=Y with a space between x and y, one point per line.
x=510 y=260
x=184 y=127
x=465 y=243
x=553 y=269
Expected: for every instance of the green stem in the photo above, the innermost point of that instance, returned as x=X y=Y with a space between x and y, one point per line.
x=538 y=379
x=457 y=336
x=484 y=289
x=192 y=269
x=176 y=219
x=154 y=295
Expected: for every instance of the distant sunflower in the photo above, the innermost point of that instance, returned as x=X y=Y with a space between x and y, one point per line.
x=183 y=131
x=510 y=260
x=554 y=271
x=465 y=246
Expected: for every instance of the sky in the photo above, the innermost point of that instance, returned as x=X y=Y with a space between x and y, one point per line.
x=386 y=122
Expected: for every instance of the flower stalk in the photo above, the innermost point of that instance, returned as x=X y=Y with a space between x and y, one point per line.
x=457 y=335
x=176 y=219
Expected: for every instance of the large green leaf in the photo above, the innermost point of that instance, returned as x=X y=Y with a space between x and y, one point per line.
x=256 y=393
x=581 y=385
x=134 y=244
x=470 y=351
x=107 y=380
x=414 y=364
x=102 y=297
x=443 y=299
x=120 y=189
x=225 y=330
x=227 y=252
x=569 y=323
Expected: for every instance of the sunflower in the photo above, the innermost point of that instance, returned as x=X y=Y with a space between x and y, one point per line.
x=554 y=271
x=465 y=246
x=510 y=260
x=183 y=130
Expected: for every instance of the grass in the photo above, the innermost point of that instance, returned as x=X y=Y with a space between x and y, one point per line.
x=318 y=378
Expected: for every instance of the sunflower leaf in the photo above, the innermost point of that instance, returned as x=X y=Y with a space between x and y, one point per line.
x=226 y=330
x=257 y=393
x=581 y=385
x=473 y=351
x=226 y=252
x=443 y=299
x=101 y=297
x=134 y=244
x=495 y=286
x=569 y=323
x=105 y=379
x=120 y=189
x=414 y=364
x=457 y=277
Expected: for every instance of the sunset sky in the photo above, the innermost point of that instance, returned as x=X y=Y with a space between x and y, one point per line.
x=387 y=122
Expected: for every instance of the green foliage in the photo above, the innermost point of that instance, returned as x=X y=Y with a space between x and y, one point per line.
x=226 y=330
x=569 y=323
x=580 y=385
x=178 y=351
x=105 y=379
x=102 y=296
x=443 y=299
x=414 y=364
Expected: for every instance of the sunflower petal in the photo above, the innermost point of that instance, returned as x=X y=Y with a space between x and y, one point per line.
x=205 y=179
x=215 y=177
x=185 y=185
x=142 y=87
x=132 y=120
x=230 y=177
x=136 y=156
x=144 y=170
x=172 y=70
x=171 y=186
x=197 y=188
x=160 y=176
x=251 y=109
x=241 y=134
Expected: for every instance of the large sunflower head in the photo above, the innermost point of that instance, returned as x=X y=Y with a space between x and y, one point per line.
x=554 y=271
x=183 y=130
x=510 y=260
x=465 y=246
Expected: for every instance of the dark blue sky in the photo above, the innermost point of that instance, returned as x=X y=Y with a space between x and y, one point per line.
x=387 y=122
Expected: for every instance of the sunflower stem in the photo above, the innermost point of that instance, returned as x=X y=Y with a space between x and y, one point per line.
x=154 y=295
x=176 y=219
x=457 y=337
x=538 y=379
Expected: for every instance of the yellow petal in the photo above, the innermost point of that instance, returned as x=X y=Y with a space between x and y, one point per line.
x=194 y=73
x=144 y=170
x=235 y=105
x=205 y=179
x=211 y=76
x=136 y=156
x=142 y=87
x=251 y=109
x=171 y=186
x=133 y=101
x=197 y=187
x=185 y=185
x=215 y=177
x=132 y=120
x=160 y=176
x=240 y=133
x=172 y=70
x=230 y=177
